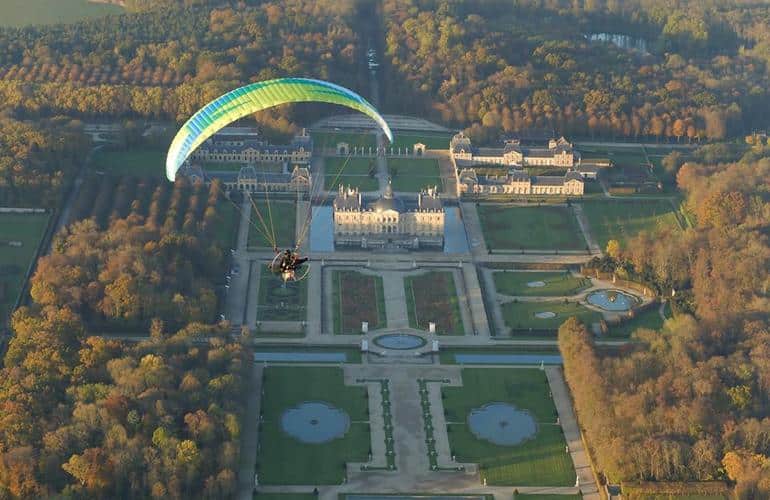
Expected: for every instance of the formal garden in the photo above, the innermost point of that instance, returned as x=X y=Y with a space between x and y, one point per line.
x=539 y=283
x=356 y=298
x=521 y=401
x=432 y=297
x=138 y=162
x=279 y=301
x=312 y=424
x=330 y=140
x=544 y=317
x=20 y=236
x=530 y=228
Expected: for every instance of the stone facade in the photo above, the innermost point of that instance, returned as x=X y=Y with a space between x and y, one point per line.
x=519 y=182
x=559 y=153
x=387 y=222
x=243 y=145
x=252 y=180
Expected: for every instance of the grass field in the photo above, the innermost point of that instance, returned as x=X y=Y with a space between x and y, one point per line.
x=14 y=261
x=433 y=297
x=521 y=315
x=357 y=297
x=277 y=302
x=622 y=220
x=539 y=461
x=530 y=228
x=286 y=496
x=354 y=173
x=414 y=175
x=556 y=283
x=284 y=220
x=227 y=225
x=138 y=162
x=331 y=139
x=283 y=459
x=25 y=12
x=649 y=319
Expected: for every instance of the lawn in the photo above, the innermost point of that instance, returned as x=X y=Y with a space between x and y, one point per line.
x=530 y=228
x=556 y=283
x=414 y=175
x=24 y=12
x=331 y=139
x=535 y=496
x=286 y=496
x=14 y=260
x=285 y=460
x=521 y=315
x=278 y=301
x=279 y=217
x=433 y=297
x=649 y=319
x=539 y=461
x=227 y=224
x=357 y=297
x=622 y=220
x=353 y=172
x=136 y=162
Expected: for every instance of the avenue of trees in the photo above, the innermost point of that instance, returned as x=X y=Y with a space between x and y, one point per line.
x=503 y=67
x=691 y=402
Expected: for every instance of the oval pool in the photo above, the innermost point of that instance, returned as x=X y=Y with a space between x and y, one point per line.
x=399 y=341
x=315 y=422
x=612 y=300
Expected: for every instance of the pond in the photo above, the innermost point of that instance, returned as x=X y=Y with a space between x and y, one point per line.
x=612 y=300
x=627 y=42
x=508 y=359
x=502 y=424
x=399 y=341
x=303 y=357
x=315 y=422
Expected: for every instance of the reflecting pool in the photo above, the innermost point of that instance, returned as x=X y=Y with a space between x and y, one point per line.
x=315 y=422
x=399 y=341
x=612 y=300
x=501 y=424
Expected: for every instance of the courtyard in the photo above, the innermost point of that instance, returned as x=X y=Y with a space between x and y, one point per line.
x=350 y=172
x=414 y=174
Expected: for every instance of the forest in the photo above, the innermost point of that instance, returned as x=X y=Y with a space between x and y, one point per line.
x=691 y=402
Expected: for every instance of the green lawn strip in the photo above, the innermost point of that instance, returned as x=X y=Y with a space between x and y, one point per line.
x=15 y=260
x=20 y=13
x=331 y=139
x=556 y=283
x=432 y=297
x=649 y=319
x=622 y=220
x=539 y=461
x=226 y=228
x=278 y=301
x=414 y=175
x=530 y=228
x=356 y=300
x=521 y=315
x=353 y=354
x=137 y=162
x=285 y=460
x=353 y=172
x=278 y=335
x=280 y=215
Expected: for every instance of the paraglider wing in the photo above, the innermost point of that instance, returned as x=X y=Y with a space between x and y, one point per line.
x=246 y=100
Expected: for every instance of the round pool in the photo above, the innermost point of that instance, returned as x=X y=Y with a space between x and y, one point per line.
x=399 y=341
x=315 y=422
x=612 y=300
x=501 y=424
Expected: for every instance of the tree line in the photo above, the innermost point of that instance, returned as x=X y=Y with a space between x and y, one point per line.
x=690 y=402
